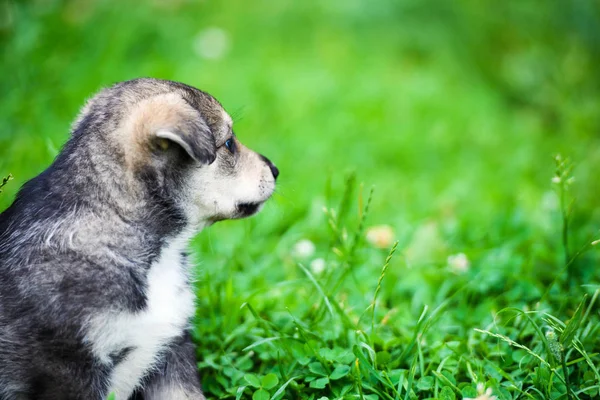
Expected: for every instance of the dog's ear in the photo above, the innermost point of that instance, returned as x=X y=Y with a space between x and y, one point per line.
x=193 y=136
x=168 y=118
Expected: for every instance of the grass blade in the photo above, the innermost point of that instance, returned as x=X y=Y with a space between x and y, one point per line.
x=318 y=287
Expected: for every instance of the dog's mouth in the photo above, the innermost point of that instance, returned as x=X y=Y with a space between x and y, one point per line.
x=248 y=209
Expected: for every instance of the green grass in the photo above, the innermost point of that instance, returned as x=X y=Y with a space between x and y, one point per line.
x=453 y=114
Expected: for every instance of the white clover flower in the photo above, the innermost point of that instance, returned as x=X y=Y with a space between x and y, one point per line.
x=211 y=43
x=303 y=249
x=317 y=266
x=458 y=263
x=380 y=236
x=483 y=393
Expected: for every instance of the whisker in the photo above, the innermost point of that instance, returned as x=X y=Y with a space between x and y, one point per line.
x=238 y=114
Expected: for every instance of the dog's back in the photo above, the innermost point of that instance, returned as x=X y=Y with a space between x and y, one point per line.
x=68 y=252
x=40 y=340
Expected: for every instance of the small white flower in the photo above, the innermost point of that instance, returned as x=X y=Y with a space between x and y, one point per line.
x=211 y=43
x=483 y=393
x=317 y=266
x=304 y=249
x=380 y=236
x=458 y=263
x=556 y=179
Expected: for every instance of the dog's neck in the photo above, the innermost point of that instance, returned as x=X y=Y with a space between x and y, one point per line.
x=82 y=205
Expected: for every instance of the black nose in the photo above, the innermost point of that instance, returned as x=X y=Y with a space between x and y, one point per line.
x=274 y=169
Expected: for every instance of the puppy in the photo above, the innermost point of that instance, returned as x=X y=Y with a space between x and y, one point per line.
x=94 y=290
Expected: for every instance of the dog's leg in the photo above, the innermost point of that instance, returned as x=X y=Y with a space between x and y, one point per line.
x=178 y=379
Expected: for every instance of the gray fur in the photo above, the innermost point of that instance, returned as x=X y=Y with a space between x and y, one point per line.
x=80 y=239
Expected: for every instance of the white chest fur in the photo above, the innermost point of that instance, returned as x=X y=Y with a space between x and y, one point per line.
x=170 y=305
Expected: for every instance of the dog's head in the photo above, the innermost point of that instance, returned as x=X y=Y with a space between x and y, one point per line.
x=179 y=142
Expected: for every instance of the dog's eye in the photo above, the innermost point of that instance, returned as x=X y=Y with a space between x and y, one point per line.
x=230 y=144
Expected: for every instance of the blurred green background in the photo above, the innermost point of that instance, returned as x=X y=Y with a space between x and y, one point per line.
x=446 y=108
x=452 y=111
